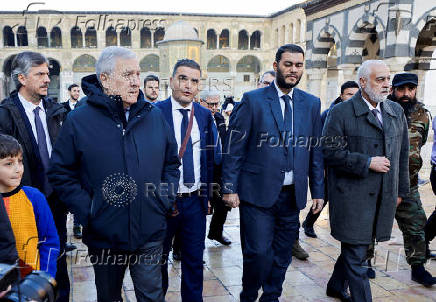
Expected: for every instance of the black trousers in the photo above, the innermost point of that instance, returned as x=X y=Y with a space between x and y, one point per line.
x=145 y=270
x=219 y=217
x=430 y=227
x=59 y=212
x=350 y=272
x=267 y=236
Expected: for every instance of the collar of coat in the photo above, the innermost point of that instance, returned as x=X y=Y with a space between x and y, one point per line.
x=97 y=98
x=360 y=107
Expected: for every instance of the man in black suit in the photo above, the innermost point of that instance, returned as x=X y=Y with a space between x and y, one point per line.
x=210 y=98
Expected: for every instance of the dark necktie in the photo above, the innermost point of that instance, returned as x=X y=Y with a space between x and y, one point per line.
x=41 y=139
x=188 y=157
x=289 y=150
x=43 y=150
x=375 y=112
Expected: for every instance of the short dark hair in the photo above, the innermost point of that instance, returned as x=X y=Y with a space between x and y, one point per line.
x=292 y=48
x=9 y=146
x=22 y=63
x=151 y=78
x=72 y=86
x=349 y=84
x=186 y=63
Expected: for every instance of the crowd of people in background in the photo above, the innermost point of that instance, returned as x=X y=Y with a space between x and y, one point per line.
x=140 y=175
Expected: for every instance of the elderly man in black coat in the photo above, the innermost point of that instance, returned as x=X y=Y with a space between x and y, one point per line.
x=366 y=153
x=115 y=164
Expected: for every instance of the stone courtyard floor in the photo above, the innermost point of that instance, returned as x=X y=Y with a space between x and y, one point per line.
x=305 y=280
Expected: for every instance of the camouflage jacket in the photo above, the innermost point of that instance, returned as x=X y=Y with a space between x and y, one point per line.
x=418 y=122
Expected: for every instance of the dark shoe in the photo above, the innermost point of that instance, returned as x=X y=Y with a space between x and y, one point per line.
x=420 y=275
x=309 y=231
x=223 y=239
x=69 y=247
x=77 y=231
x=342 y=295
x=177 y=255
x=370 y=271
x=298 y=252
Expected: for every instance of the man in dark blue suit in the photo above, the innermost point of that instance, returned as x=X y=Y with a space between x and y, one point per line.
x=273 y=148
x=193 y=128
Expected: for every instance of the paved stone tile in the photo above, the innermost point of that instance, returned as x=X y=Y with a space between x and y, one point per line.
x=305 y=280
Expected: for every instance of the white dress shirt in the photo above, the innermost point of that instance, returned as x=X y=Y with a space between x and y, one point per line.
x=371 y=107
x=196 y=149
x=72 y=105
x=28 y=108
x=289 y=176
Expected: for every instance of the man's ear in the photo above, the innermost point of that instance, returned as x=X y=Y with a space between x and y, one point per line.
x=104 y=78
x=275 y=66
x=363 y=82
x=22 y=79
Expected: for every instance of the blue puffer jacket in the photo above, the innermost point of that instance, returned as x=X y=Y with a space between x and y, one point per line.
x=118 y=178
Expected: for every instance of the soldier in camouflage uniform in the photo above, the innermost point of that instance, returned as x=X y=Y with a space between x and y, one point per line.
x=410 y=215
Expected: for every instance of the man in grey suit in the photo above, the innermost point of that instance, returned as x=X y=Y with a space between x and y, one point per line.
x=366 y=154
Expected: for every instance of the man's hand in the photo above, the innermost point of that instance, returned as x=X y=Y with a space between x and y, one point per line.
x=209 y=208
x=317 y=205
x=380 y=164
x=399 y=200
x=232 y=200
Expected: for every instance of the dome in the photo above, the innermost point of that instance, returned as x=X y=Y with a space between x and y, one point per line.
x=180 y=31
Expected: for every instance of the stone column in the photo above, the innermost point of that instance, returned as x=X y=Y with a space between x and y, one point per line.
x=136 y=39
x=65 y=79
x=314 y=81
x=347 y=72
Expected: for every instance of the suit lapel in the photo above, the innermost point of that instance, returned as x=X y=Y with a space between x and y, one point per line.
x=276 y=110
x=298 y=113
x=388 y=119
x=167 y=110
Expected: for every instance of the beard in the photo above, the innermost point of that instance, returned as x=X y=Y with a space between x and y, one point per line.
x=406 y=103
x=373 y=95
x=281 y=81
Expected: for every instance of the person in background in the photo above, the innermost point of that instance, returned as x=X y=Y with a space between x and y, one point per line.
x=266 y=79
x=210 y=98
x=74 y=91
x=151 y=88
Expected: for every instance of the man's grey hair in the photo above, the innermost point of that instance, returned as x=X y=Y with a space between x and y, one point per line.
x=271 y=72
x=365 y=69
x=23 y=62
x=108 y=59
x=209 y=92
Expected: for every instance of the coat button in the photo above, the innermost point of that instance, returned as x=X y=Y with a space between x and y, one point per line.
x=118 y=125
x=283 y=171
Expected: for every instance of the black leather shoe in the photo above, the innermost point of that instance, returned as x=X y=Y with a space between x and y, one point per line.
x=342 y=295
x=309 y=231
x=69 y=247
x=223 y=239
x=177 y=255
x=420 y=275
